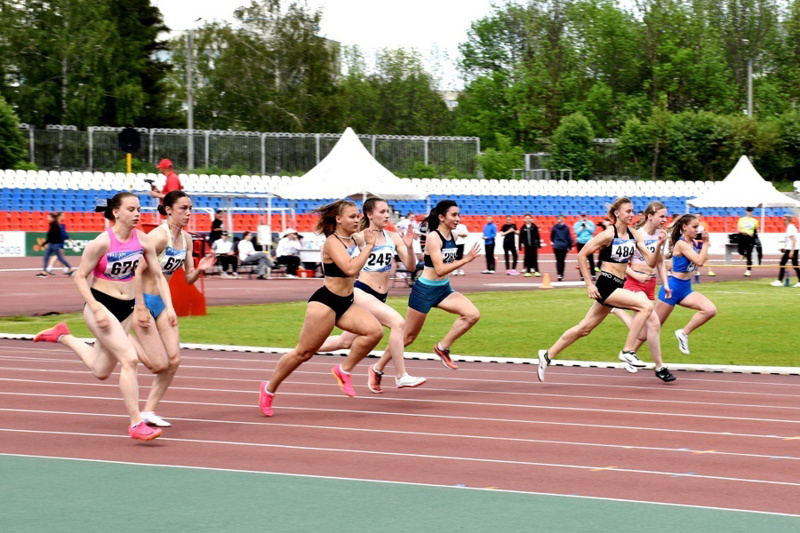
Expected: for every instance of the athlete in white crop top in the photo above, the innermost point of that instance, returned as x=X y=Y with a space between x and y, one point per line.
x=608 y=292
x=157 y=334
x=372 y=288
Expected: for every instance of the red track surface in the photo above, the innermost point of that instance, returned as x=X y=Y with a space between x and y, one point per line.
x=720 y=440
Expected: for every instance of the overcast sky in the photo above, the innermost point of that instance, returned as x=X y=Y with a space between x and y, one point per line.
x=371 y=24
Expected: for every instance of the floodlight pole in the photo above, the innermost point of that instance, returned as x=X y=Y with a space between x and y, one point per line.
x=189 y=103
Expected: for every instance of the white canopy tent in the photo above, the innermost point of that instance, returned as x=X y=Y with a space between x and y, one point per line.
x=744 y=187
x=349 y=170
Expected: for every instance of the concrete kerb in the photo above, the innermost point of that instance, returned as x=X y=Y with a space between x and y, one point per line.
x=422 y=356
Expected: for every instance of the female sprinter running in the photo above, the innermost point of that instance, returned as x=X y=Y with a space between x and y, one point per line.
x=161 y=353
x=372 y=288
x=112 y=258
x=432 y=288
x=332 y=305
x=685 y=259
x=617 y=244
x=642 y=278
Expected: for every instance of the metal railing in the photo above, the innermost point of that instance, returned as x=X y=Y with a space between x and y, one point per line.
x=66 y=148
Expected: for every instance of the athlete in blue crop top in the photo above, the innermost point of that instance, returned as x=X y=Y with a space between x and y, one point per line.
x=685 y=259
x=157 y=337
x=432 y=288
x=332 y=305
x=617 y=244
x=371 y=290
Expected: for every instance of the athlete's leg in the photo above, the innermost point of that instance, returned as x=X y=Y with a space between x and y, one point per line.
x=641 y=307
x=369 y=331
x=338 y=342
x=317 y=325
x=391 y=319
x=705 y=311
x=597 y=312
x=458 y=304
x=170 y=336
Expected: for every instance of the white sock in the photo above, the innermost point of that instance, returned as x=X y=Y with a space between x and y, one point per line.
x=659 y=369
x=343 y=371
x=146 y=413
x=442 y=348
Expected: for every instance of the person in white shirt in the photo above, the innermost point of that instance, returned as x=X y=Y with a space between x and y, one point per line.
x=461 y=240
x=288 y=252
x=791 y=243
x=249 y=256
x=403 y=225
x=223 y=249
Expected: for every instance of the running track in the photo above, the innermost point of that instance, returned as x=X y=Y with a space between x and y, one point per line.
x=713 y=440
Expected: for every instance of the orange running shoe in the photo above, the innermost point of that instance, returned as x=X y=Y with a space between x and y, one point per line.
x=374 y=380
x=265 y=400
x=52 y=334
x=344 y=380
x=444 y=355
x=142 y=431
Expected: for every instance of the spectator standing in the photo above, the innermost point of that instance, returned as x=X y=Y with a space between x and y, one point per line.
x=529 y=239
x=584 y=231
x=791 y=244
x=489 y=234
x=747 y=226
x=216 y=228
x=288 y=252
x=56 y=235
x=223 y=249
x=404 y=224
x=561 y=239
x=508 y=231
x=461 y=240
x=173 y=183
x=249 y=256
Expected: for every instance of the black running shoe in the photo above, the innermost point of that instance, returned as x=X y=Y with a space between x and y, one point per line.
x=665 y=375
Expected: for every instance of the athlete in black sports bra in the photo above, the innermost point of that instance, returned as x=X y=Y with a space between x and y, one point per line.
x=617 y=243
x=332 y=305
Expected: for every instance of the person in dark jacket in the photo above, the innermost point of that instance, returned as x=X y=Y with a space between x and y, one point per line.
x=529 y=241
x=561 y=239
x=56 y=235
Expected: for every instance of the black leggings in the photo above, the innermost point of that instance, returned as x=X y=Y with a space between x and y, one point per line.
x=227 y=261
x=561 y=256
x=531 y=259
x=489 y=256
x=590 y=257
x=785 y=259
x=513 y=251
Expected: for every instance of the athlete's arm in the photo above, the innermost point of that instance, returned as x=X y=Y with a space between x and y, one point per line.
x=602 y=239
x=192 y=274
x=91 y=256
x=405 y=249
x=689 y=253
x=433 y=247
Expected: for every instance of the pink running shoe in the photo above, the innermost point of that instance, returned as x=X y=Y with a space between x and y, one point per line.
x=265 y=400
x=52 y=334
x=142 y=431
x=344 y=380
x=444 y=355
x=374 y=380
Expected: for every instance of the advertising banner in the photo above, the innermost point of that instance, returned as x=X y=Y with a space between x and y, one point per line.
x=12 y=244
x=34 y=243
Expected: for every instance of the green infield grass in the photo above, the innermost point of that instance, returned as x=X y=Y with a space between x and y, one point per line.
x=756 y=324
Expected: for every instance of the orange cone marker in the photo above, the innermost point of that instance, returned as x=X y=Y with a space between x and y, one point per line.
x=545 y=281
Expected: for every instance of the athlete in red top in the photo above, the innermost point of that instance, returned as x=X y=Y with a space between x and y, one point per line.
x=173 y=182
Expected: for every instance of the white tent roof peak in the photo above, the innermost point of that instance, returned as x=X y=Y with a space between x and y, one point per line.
x=744 y=187
x=349 y=170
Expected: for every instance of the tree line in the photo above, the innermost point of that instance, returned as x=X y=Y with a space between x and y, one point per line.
x=667 y=78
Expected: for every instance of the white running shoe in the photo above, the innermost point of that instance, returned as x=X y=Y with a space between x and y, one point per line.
x=796 y=285
x=409 y=381
x=683 y=341
x=630 y=368
x=747 y=273
x=152 y=419
x=544 y=361
x=776 y=283
x=631 y=359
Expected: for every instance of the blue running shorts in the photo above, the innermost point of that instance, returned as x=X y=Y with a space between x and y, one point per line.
x=154 y=304
x=681 y=288
x=426 y=294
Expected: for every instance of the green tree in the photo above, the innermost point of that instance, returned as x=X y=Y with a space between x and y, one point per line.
x=498 y=163
x=572 y=146
x=12 y=143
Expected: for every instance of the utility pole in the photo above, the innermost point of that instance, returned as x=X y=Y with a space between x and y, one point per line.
x=189 y=103
x=746 y=42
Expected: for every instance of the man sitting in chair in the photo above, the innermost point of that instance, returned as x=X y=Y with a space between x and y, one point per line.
x=288 y=252
x=249 y=256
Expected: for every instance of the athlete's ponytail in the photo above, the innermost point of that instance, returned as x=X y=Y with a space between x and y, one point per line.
x=440 y=210
x=677 y=230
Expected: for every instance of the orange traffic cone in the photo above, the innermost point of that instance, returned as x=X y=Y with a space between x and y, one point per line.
x=545 y=281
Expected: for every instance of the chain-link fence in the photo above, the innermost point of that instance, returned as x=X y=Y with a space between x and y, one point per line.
x=67 y=148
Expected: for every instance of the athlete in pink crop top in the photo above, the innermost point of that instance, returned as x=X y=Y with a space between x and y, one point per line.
x=121 y=260
x=112 y=258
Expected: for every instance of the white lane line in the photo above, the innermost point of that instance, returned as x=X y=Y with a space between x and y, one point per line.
x=388 y=482
x=184 y=376
x=456 y=459
x=626 y=412
x=410 y=434
x=252 y=407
